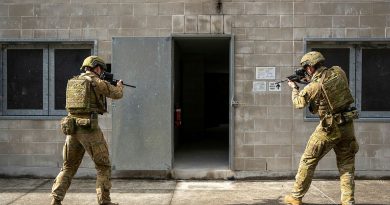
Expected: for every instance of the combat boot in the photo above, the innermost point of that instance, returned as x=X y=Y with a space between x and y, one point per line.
x=288 y=199
x=55 y=202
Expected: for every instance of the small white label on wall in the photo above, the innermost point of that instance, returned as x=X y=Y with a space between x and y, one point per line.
x=259 y=86
x=272 y=86
x=265 y=73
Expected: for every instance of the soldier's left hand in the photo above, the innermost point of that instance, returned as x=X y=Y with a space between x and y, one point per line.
x=292 y=84
x=119 y=83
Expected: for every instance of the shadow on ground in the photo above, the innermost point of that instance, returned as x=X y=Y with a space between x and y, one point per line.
x=279 y=201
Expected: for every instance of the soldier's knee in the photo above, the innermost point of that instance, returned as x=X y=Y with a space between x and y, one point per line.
x=103 y=170
x=101 y=156
x=69 y=169
x=346 y=170
x=63 y=178
x=309 y=162
x=354 y=147
x=102 y=160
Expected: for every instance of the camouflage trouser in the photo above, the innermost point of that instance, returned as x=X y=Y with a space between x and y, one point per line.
x=73 y=152
x=343 y=141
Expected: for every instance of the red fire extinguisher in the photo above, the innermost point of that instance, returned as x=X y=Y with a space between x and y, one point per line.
x=177 y=116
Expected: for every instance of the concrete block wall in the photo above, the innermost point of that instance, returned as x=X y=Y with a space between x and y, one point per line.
x=270 y=135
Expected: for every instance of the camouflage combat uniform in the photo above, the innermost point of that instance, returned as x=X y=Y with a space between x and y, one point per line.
x=328 y=135
x=90 y=139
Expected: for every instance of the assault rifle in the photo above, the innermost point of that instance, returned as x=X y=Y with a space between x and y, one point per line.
x=110 y=78
x=298 y=77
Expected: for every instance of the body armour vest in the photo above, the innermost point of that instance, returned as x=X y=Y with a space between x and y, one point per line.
x=334 y=86
x=81 y=97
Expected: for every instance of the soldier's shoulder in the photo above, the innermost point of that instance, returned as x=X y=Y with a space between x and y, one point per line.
x=75 y=77
x=336 y=68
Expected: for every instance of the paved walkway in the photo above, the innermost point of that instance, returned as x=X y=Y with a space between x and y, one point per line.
x=166 y=192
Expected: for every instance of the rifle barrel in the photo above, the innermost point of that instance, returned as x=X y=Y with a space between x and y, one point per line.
x=128 y=85
x=281 y=81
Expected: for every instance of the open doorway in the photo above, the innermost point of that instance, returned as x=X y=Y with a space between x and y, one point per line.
x=201 y=102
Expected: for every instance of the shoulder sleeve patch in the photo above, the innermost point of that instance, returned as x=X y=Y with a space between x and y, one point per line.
x=311 y=90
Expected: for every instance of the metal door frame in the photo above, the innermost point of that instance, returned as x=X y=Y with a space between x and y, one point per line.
x=231 y=86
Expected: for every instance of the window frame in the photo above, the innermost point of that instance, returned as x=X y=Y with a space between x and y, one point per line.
x=355 y=70
x=48 y=111
x=359 y=85
x=45 y=70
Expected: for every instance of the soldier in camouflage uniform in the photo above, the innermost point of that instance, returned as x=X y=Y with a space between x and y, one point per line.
x=327 y=95
x=83 y=132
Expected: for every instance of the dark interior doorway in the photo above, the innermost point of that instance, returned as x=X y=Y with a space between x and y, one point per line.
x=201 y=102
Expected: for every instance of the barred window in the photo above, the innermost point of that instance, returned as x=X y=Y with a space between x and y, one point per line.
x=35 y=77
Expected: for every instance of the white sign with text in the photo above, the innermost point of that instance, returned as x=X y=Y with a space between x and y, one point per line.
x=265 y=73
x=272 y=86
x=259 y=86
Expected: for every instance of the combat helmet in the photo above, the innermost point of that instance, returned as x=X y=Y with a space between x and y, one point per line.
x=93 y=61
x=312 y=58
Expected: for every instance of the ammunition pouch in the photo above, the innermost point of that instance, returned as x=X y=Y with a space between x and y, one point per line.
x=68 y=125
x=339 y=118
x=88 y=123
x=83 y=122
x=327 y=123
x=351 y=114
x=347 y=116
x=330 y=120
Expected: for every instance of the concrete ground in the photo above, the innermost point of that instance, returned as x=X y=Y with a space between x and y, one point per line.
x=145 y=192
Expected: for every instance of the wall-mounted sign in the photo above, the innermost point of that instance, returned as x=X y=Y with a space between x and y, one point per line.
x=265 y=73
x=259 y=86
x=272 y=86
